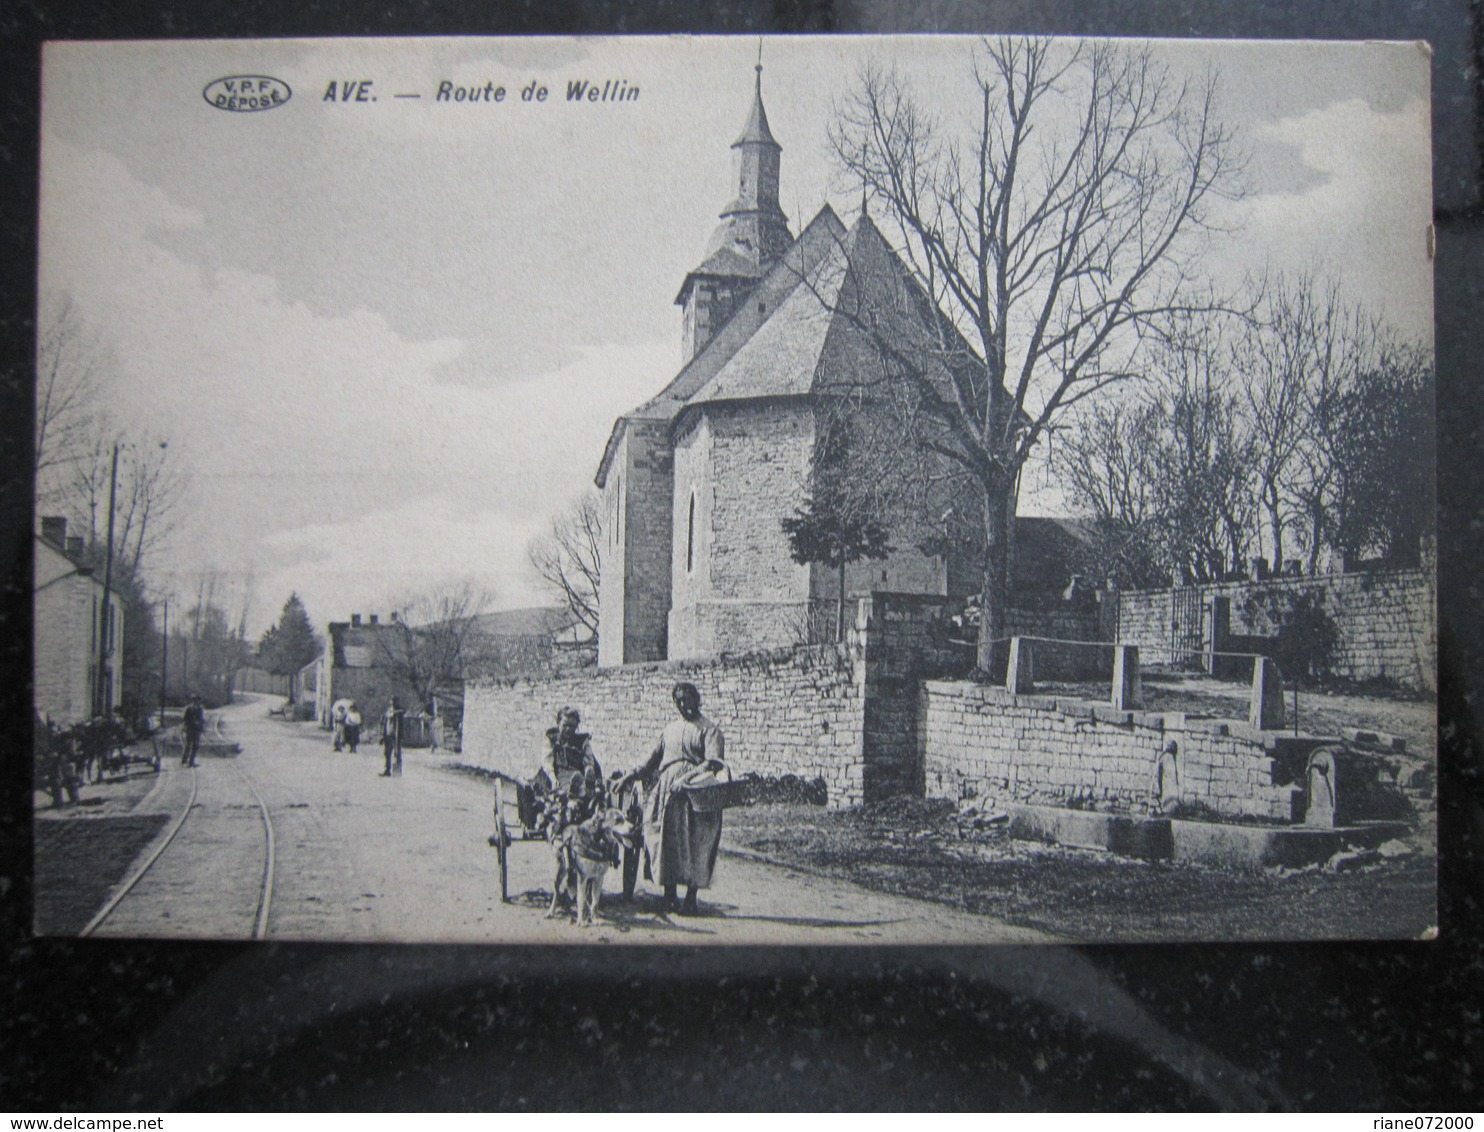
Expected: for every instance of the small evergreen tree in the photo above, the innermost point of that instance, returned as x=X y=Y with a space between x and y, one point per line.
x=829 y=531
x=291 y=644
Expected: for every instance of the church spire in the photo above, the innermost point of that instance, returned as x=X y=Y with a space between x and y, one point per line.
x=756 y=131
x=753 y=233
x=754 y=217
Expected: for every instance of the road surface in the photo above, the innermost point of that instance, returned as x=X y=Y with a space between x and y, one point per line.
x=359 y=857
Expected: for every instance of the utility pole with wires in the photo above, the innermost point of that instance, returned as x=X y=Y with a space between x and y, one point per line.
x=104 y=704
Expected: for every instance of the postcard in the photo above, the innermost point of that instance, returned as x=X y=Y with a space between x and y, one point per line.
x=686 y=490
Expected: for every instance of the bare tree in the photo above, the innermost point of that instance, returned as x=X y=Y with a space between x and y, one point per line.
x=569 y=559
x=1202 y=462
x=70 y=363
x=1297 y=357
x=1165 y=474
x=148 y=491
x=1053 y=237
x=426 y=642
x=1106 y=463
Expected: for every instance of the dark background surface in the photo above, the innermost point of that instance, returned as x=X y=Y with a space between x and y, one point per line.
x=97 y=1024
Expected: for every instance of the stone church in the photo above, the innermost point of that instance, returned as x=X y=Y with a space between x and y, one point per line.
x=696 y=480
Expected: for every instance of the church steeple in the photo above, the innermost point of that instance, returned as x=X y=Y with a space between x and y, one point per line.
x=752 y=235
x=754 y=221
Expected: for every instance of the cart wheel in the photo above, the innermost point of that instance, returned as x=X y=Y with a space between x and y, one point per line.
x=502 y=842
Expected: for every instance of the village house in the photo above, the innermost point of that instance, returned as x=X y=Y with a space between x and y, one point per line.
x=69 y=654
x=696 y=480
x=360 y=663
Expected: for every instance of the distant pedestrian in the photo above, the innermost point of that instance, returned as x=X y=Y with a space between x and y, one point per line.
x=192 y=725
x=391 y=738
x=337 y=722
x=352 y=727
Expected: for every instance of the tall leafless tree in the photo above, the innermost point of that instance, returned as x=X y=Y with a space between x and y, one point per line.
x=70 y=365
x=424 y=646
x=148 y=492
x=569 y=559
x=1165 y=470
x=1053 y=234
x=1298 y=357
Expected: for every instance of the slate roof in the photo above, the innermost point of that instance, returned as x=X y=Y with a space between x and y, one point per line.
x=725 y=262
x=534 y=621
x=756 y=127
x=807 y=327
x=1047 y=550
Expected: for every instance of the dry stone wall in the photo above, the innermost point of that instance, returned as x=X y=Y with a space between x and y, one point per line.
x=983 y=741
x=1089 y=661
x=1385 y=622
x=796 y=711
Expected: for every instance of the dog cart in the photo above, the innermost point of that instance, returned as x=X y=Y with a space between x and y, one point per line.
x=522 y=813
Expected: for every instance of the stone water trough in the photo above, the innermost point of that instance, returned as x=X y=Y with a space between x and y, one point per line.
x=1349 y=792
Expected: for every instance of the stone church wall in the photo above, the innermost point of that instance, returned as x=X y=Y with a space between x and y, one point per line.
x=745 y=466
x=1385 y=622
x=634 y=597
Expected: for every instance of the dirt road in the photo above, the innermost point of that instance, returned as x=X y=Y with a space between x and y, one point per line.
x=361 y=857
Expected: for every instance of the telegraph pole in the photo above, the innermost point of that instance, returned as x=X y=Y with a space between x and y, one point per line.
x=105 y=621
x=164 y=658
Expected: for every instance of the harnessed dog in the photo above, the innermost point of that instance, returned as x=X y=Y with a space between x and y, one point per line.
x=584 y=853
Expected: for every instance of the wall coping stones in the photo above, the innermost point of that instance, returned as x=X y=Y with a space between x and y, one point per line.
x=842 y=654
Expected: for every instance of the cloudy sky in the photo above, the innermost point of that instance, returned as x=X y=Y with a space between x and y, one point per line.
x=386 y=339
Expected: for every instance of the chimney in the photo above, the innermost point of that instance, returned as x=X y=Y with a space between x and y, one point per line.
x=355 y=620
x=75 y=546
x=374 y=619
x=54 y=530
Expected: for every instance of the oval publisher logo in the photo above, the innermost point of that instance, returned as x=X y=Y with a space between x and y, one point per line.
x=244 y=94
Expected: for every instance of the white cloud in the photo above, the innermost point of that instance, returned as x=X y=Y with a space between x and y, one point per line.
x=326 y=454
x=1372 y=205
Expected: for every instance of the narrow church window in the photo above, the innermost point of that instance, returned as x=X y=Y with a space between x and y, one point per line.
x=690 y=536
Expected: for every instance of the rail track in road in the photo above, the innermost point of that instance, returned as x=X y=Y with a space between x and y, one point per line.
x=158 y=859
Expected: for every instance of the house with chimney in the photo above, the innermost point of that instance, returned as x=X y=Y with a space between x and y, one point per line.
x=696 y=481
x=77 y=639
x=361 y=663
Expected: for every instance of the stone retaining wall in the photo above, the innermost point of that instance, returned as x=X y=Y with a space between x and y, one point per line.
x=984 y=741
x=1385 y=621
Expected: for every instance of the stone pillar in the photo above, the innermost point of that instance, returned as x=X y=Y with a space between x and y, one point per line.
x=1216 y=634
x=1266 y=708
x=1128 y=692
x=1322 y=790
x=1167 y=779
x=1020 y=677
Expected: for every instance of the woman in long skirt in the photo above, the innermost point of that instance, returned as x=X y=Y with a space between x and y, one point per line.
x=680 y=842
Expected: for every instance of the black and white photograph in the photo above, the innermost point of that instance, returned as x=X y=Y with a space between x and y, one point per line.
x=736 y=491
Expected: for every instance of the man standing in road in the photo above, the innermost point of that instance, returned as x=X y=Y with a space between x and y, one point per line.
x=192 y=725
x=680 y=842
x=391 y=738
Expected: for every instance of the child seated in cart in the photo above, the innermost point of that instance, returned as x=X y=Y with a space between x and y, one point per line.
x=569 y=780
